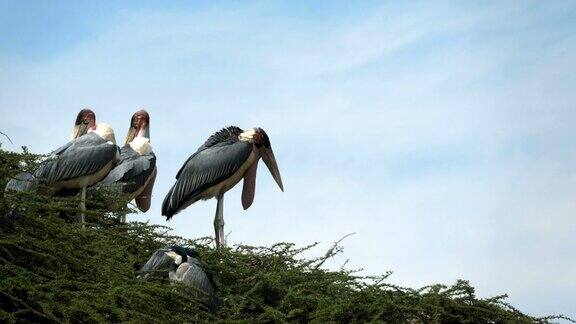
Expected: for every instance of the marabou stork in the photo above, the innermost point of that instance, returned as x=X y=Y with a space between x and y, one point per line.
x=226 y=157
x=135 y=174
x=81 y=163
x=26 y=181
x=181 y=264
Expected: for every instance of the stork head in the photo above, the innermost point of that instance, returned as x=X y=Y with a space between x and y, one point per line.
x=177 y=258
x=184 y=252
x=260 y=139
x=139 y=126
x=180 y=255
x=85 y=121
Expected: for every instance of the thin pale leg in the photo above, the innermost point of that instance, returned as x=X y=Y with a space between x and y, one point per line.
x=82 y=205
x=219 y=221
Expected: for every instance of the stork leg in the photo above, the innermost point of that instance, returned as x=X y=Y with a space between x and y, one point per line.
x=219 y=221
x=82 y=205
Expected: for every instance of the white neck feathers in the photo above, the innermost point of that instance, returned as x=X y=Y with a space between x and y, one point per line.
x=105 y=131
x=247 y=135
x=141 y=145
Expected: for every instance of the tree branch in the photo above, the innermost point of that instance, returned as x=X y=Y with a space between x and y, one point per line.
x=8 y=137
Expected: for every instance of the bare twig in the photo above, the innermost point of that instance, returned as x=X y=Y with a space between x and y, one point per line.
x=334 y=249
x=8 y=137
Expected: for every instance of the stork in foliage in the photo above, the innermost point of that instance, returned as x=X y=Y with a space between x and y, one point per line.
x=228 y=156
x=81 y=162
x=26 y=181
x=181 y=264
x=135 y=174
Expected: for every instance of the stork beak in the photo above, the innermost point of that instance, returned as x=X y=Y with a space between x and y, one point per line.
x=131 y=134
x=268 y=156
x=140 y=129
x=144 y=131
x=79 y=130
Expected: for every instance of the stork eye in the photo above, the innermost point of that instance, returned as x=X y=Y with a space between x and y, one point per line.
x=85 y=122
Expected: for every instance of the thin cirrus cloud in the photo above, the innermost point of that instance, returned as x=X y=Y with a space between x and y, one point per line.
x=439 y=133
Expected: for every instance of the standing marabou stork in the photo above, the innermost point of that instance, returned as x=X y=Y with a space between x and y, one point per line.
x=227 y=156
x=27 y=182
x=81 y=163
x=136 y=172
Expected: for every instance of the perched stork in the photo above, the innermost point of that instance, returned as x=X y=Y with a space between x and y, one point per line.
x=181 y=264
x=85 y=122
x=226 y=157
x=136 y=172
x=81 y=163
x=27 y=182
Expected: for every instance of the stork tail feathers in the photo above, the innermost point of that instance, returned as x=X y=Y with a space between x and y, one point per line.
x=167 y=209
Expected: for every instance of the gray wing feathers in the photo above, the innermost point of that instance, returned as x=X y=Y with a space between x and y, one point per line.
x=61 y=149
x=126 y=153
x=22 y=182
x=159 y=263
x=196 y=278
x=85 y=156
x=203 y=170
x=132 y=171
x=225 y=136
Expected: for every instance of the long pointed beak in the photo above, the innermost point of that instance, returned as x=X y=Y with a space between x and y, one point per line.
x=270 y=161
x=79 y=130
x=144 y=131
x=131 y=134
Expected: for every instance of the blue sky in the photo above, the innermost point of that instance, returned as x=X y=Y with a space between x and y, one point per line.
x=439 y=132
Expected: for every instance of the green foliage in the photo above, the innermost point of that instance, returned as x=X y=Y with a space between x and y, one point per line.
x=52 y=270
